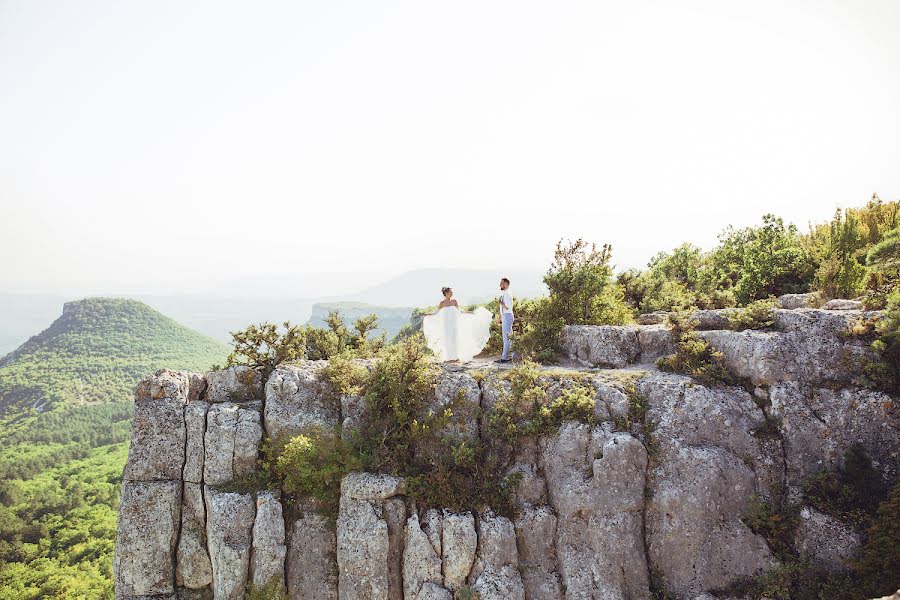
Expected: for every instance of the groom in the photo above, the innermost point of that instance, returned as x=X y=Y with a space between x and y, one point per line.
x=505 y=318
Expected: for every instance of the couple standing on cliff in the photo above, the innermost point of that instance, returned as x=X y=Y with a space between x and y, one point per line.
x=455 y=335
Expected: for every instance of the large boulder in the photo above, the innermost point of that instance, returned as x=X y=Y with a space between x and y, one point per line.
x=601 y=345
x=147 y=531
x=841 y=304
x=158 y=429
x=231 y=442
x=233 y=384
x=298 y=399
x=229 y=525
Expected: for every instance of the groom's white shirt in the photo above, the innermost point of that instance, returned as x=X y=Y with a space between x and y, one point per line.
x=507 y=300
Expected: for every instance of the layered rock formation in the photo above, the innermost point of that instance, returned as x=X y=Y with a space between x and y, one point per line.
x=653 y=496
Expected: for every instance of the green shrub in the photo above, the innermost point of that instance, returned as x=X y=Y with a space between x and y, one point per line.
x=526 y=410
x=582 y=291
x=851 y=493
x=776 y=521
x=878 y=567
x=885 y=372
x=311 y=465
x=756 y=315
x=263 y=347
x=694 y=356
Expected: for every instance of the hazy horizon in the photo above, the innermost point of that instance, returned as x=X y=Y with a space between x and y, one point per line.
x=160 y=148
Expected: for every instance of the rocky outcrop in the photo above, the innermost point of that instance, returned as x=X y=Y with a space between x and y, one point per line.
x=805 y=345
x=662 y=481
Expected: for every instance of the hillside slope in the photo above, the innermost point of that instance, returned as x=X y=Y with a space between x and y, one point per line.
x=95 y=352
x=65 y=414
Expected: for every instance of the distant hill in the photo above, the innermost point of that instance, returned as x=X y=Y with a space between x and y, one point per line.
x=390 y=320
x=23 y=314
x=65 y=421
x=95 y=352
x=422 y=287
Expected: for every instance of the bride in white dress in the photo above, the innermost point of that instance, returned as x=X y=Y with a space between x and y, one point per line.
x=453 y=334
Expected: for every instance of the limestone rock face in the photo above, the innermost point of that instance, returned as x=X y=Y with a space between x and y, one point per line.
x=232 y=438
x=695 y=536
x=661 y=480
x=234 y=384
x=495 y=575
x=297 y=399
x=432 y=591
x=268 y=549
x=820 y=424
x=592 y=510
x=230 y=517
x=421 y=560
x=158 y=430
x=364 y=546
x=460 y=390
x=708 y=466
x=831 y=543
x=195 y=429
x=145 y=541
x=804 y=345
x=193 y=568
x=312 y=572
x=536 y=533
x=459 y=543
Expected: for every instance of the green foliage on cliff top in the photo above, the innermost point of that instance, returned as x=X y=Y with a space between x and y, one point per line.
x=855 y=253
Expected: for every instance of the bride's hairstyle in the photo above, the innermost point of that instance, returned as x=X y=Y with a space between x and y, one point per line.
x=444 y=290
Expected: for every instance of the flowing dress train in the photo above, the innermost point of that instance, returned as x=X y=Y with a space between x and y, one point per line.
x=454 y=335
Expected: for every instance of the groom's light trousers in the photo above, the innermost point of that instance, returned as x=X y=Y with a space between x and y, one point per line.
x=506 y=329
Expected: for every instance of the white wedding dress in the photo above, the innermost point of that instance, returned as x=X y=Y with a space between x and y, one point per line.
x=455 y=335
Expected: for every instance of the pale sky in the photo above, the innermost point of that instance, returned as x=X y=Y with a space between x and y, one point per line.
x=159 y=146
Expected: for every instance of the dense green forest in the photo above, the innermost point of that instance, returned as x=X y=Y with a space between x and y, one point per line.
x=65 y=421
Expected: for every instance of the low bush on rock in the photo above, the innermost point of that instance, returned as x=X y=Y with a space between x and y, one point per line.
x=851 y=493
x=694 y=356
x=265 y=346
x=526 y=410
x=756 y=315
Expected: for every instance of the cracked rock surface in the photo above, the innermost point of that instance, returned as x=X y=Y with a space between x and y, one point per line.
x=653 y=495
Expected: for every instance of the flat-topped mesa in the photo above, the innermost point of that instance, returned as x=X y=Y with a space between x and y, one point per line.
x=660 y=481
x=803 y=345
